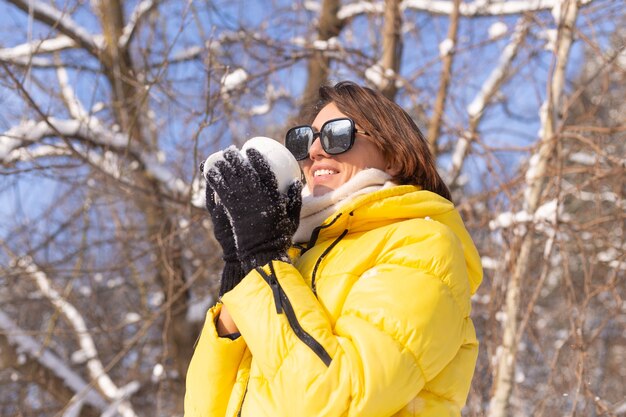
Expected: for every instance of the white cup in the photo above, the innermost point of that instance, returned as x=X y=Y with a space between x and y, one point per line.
x=281 y=161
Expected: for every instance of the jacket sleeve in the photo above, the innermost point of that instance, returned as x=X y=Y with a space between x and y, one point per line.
x=400 y=325
x=212 y=371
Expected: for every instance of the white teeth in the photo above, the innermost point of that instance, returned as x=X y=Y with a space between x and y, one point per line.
x=324 y=172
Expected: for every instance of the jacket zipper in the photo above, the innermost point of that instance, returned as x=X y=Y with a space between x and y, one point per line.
x=319 y=260
x=316 y=233
x=284 y=305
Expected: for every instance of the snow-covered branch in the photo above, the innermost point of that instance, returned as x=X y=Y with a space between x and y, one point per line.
x=29 y=49
x=92 y=133
x=489 y=88
x=593 y=196
x=614 y=257
x=545 y=214
x=503 y=381
x=141 y=11
x=483 y=8
x=32 y=132
x=75 y=320
x=72 y=102
x=61 y=22
x=476 y=8
x=500 y=72
x=29 y=346
x=354 y=9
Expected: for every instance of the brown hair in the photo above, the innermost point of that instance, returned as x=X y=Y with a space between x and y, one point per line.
x=392 y=130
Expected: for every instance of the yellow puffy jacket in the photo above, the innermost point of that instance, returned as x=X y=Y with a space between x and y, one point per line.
x=372 y=320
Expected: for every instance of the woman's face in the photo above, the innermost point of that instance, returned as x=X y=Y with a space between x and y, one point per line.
x=324 y=172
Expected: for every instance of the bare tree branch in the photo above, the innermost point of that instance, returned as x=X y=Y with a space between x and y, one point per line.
x=447 y=52
x=392 y=46
x=44 y=46
x=488 y=90
x=503 y=383
x=330 y=26
x=61 y=21
x=52 y=364
x=142 y=10
x=76 y=321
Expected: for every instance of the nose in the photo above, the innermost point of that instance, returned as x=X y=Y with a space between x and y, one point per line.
x=316 y=150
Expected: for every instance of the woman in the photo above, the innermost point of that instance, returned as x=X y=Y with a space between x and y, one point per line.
x=368 y=313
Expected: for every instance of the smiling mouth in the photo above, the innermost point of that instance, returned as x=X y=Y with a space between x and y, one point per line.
x=321 y=172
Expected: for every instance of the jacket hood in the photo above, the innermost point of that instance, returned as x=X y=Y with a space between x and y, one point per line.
x=399 y=203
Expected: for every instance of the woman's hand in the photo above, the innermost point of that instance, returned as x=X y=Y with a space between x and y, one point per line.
x=263 y=219
x=223 y=231
x=225 y=324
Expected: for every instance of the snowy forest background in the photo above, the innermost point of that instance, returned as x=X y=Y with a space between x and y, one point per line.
x=107 y=107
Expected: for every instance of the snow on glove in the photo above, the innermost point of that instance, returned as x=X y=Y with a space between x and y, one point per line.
x=263 y=219
x=223 y=231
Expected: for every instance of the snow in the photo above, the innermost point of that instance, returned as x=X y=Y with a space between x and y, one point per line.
x=195 y=51
x=584 y=158
x=531 y=171
x=459 y=152
x=374 y=74
x=556 y=12
x=498 y=74
x=72 y=102
x=312 y=6
x=378 y=76
x=155 y=299
x=37 y=47
x=446 y=47
x=234 y=80
x=63 y=22
x=547 y=212
x=92 y=131
x=621 y=59
x=131 y=317
x=7 y=145
x=198 y=192
x=299 y=41
x=481 y=298
x=157 y=372
x=489 y=263
x=76 y=321
x=497 y=29
x=141 y=10
x=550 y=36
x=260 y=109
x=353 y=9
x=79 y=357
x=483 y=8
x=115 y=282
x=323 y=45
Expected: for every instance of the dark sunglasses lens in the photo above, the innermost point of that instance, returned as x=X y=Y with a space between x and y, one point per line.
x=337 y=136
x=297 y=141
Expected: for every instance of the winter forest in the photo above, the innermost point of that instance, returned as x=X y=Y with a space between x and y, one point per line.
x=107 y=108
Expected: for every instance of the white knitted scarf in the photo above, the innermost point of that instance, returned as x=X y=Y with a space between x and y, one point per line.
x=317 y=209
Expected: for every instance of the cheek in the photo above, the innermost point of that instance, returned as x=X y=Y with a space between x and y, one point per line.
x=305 y=167
x=306 y=170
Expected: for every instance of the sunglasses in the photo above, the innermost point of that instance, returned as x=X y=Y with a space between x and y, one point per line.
x=336 y=137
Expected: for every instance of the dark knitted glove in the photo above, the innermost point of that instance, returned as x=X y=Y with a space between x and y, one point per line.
x=263 y=219
x=233 y=271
